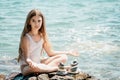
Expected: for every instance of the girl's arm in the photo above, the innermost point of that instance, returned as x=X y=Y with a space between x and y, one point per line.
x=51 y=52
x=25 y=48
x=36 y=67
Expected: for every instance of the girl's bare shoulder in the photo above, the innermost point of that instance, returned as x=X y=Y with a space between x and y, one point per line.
x=25 y=40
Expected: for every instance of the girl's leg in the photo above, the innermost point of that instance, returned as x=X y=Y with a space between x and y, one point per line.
x=55 y=60
x=27 y=70
x=51 y=64
x=39 y=68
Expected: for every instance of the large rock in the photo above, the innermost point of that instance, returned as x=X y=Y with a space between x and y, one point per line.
x=12 y=75
x=49 y=76
x=2 y=77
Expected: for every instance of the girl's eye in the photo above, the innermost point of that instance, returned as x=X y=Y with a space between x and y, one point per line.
x=33 y=20
x=38 y=20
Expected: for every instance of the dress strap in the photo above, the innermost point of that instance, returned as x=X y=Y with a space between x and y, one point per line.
x=29 y=37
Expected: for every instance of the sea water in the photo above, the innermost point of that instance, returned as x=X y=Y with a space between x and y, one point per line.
x=91 y=27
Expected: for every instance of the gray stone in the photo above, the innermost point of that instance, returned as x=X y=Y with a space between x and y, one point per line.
x=32 y=78
x=43 y=77
x=2 y=77
x=50 y=76
x=56 y=77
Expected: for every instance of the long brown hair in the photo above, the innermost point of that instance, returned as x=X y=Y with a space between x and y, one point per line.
x=27 y=28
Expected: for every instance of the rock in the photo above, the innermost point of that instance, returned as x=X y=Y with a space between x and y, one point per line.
x=32 y=78
x=56 y=77
x=12 y=75
x=2 y=77
x=43 y=77
x=84 y=76
x=48 y=76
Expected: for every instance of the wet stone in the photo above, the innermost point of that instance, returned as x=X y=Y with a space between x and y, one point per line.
x=2 y=77
x=48 y=76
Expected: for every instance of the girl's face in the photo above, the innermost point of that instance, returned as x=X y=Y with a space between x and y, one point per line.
x=36 y=22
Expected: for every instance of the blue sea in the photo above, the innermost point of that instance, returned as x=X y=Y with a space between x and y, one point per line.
x=91 y=27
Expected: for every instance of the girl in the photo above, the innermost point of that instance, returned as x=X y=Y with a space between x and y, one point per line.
x=33 y=40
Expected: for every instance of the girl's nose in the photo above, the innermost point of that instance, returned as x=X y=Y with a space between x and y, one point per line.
x=36 y=23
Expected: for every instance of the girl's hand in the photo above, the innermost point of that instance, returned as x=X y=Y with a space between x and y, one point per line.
x=31 y=63
x=73 y=53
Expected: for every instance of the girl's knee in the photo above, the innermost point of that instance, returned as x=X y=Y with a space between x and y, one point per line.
x=64 y=57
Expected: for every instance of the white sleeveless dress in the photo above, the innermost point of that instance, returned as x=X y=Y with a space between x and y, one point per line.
x=35 y=52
